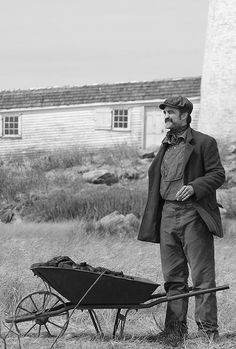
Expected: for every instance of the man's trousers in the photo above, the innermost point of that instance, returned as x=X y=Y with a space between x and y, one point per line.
x=186 y=241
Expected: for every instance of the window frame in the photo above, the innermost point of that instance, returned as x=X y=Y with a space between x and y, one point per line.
x=127 y=122
x=8 y=135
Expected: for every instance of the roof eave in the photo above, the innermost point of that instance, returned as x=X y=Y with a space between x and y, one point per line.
x=85 y=105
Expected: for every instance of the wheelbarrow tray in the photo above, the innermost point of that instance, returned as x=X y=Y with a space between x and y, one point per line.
x=110 y=289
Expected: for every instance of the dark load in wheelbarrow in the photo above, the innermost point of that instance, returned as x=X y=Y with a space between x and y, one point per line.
x=85 y=288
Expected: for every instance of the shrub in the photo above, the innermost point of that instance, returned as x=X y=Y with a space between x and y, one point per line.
x=116 y=154
x=60 y=159
x=16 y=180
x=26 y=185
x=90 y=203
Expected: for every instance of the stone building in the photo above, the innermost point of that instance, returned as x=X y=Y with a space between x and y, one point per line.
x=218 y=89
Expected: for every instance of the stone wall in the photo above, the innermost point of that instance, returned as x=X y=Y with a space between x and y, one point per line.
x=218 y=90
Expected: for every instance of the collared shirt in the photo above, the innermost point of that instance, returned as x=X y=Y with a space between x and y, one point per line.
x=172 y=168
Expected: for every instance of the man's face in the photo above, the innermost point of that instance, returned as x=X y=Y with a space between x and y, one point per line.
x=174 y=118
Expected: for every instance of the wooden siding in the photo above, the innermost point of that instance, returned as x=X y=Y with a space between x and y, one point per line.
x=77 y=127
x=69 y=128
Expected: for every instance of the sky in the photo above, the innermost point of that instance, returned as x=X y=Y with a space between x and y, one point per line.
x=47 y=43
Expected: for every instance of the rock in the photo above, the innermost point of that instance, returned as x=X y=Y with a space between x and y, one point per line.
x=6 y=215
x=116 y=223
x=9 y=214
x=148 y=153
x=83 y=169
x=100 y=177
x=130 y=173
x=232 y=148
x=230 y=173
x=16 y=219
x=131 y=220
x=227 y=198
x=61 y=175
x=114 y=218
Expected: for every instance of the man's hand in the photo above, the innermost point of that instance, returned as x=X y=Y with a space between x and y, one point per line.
x=184 y=193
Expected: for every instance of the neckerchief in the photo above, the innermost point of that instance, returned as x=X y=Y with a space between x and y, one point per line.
x=173 y=136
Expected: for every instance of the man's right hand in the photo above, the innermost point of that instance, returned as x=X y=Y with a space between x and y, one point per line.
x=184 y=193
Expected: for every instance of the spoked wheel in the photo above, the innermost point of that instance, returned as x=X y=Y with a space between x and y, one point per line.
x=41 y=312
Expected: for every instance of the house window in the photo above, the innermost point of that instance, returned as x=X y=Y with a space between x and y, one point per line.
x=11 y=126
x=120 y=119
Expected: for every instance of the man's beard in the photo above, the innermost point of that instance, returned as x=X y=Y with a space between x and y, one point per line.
x=174 y=126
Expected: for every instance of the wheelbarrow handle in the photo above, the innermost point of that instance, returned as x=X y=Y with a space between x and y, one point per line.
x=164 y=298
x=162 y=294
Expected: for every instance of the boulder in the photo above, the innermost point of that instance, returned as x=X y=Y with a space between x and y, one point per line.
x=148 y=153
x=232 y=148
x=227 y=198
x=131 y=220
x=6 y=214
x=113 y=219
x=101 y=176
x=130 y=173
x=9 y=214
x=116 y=223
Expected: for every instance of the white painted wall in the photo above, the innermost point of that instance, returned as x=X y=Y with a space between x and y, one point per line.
x=77 y=127
x=195 y=113
x=218 y=88
x=49 y=129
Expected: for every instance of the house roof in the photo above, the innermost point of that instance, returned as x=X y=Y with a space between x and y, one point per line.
x=99 y=93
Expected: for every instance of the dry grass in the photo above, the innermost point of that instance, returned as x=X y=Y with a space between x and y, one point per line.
x=82 y=201
x=24 y=244
x=50 y=187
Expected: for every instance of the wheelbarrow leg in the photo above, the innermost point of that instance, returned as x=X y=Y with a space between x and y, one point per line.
x=120 y=321
x=96 y=322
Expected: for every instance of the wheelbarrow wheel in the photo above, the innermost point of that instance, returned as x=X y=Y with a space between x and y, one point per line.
x=41 y=313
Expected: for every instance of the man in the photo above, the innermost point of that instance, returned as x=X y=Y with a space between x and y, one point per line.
x=182 y=215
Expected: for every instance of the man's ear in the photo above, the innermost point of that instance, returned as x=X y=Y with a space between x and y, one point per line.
x=184 y=116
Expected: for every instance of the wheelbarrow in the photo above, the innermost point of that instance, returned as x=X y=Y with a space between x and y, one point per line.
x=47 y=311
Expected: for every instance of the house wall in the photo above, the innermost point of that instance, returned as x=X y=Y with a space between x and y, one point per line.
x=49 y=129
x=78 y=128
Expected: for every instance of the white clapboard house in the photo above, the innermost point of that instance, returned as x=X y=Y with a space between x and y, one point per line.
x=91 y=116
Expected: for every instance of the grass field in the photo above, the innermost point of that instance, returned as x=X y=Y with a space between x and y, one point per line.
x=49 y=189
x=27 y=243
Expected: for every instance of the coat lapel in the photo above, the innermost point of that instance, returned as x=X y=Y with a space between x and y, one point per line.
x=188 y=148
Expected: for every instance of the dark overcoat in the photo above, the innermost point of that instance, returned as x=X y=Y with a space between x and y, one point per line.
x=202 y=169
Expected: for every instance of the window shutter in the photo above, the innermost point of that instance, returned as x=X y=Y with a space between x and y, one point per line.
x=103 y=119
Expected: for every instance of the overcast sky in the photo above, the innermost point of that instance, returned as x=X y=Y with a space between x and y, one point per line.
x=75 y=42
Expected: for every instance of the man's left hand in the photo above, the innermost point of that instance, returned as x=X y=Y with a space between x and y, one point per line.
x=184 y=193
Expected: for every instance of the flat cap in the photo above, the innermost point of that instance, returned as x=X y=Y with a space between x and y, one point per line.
x=178 y=102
